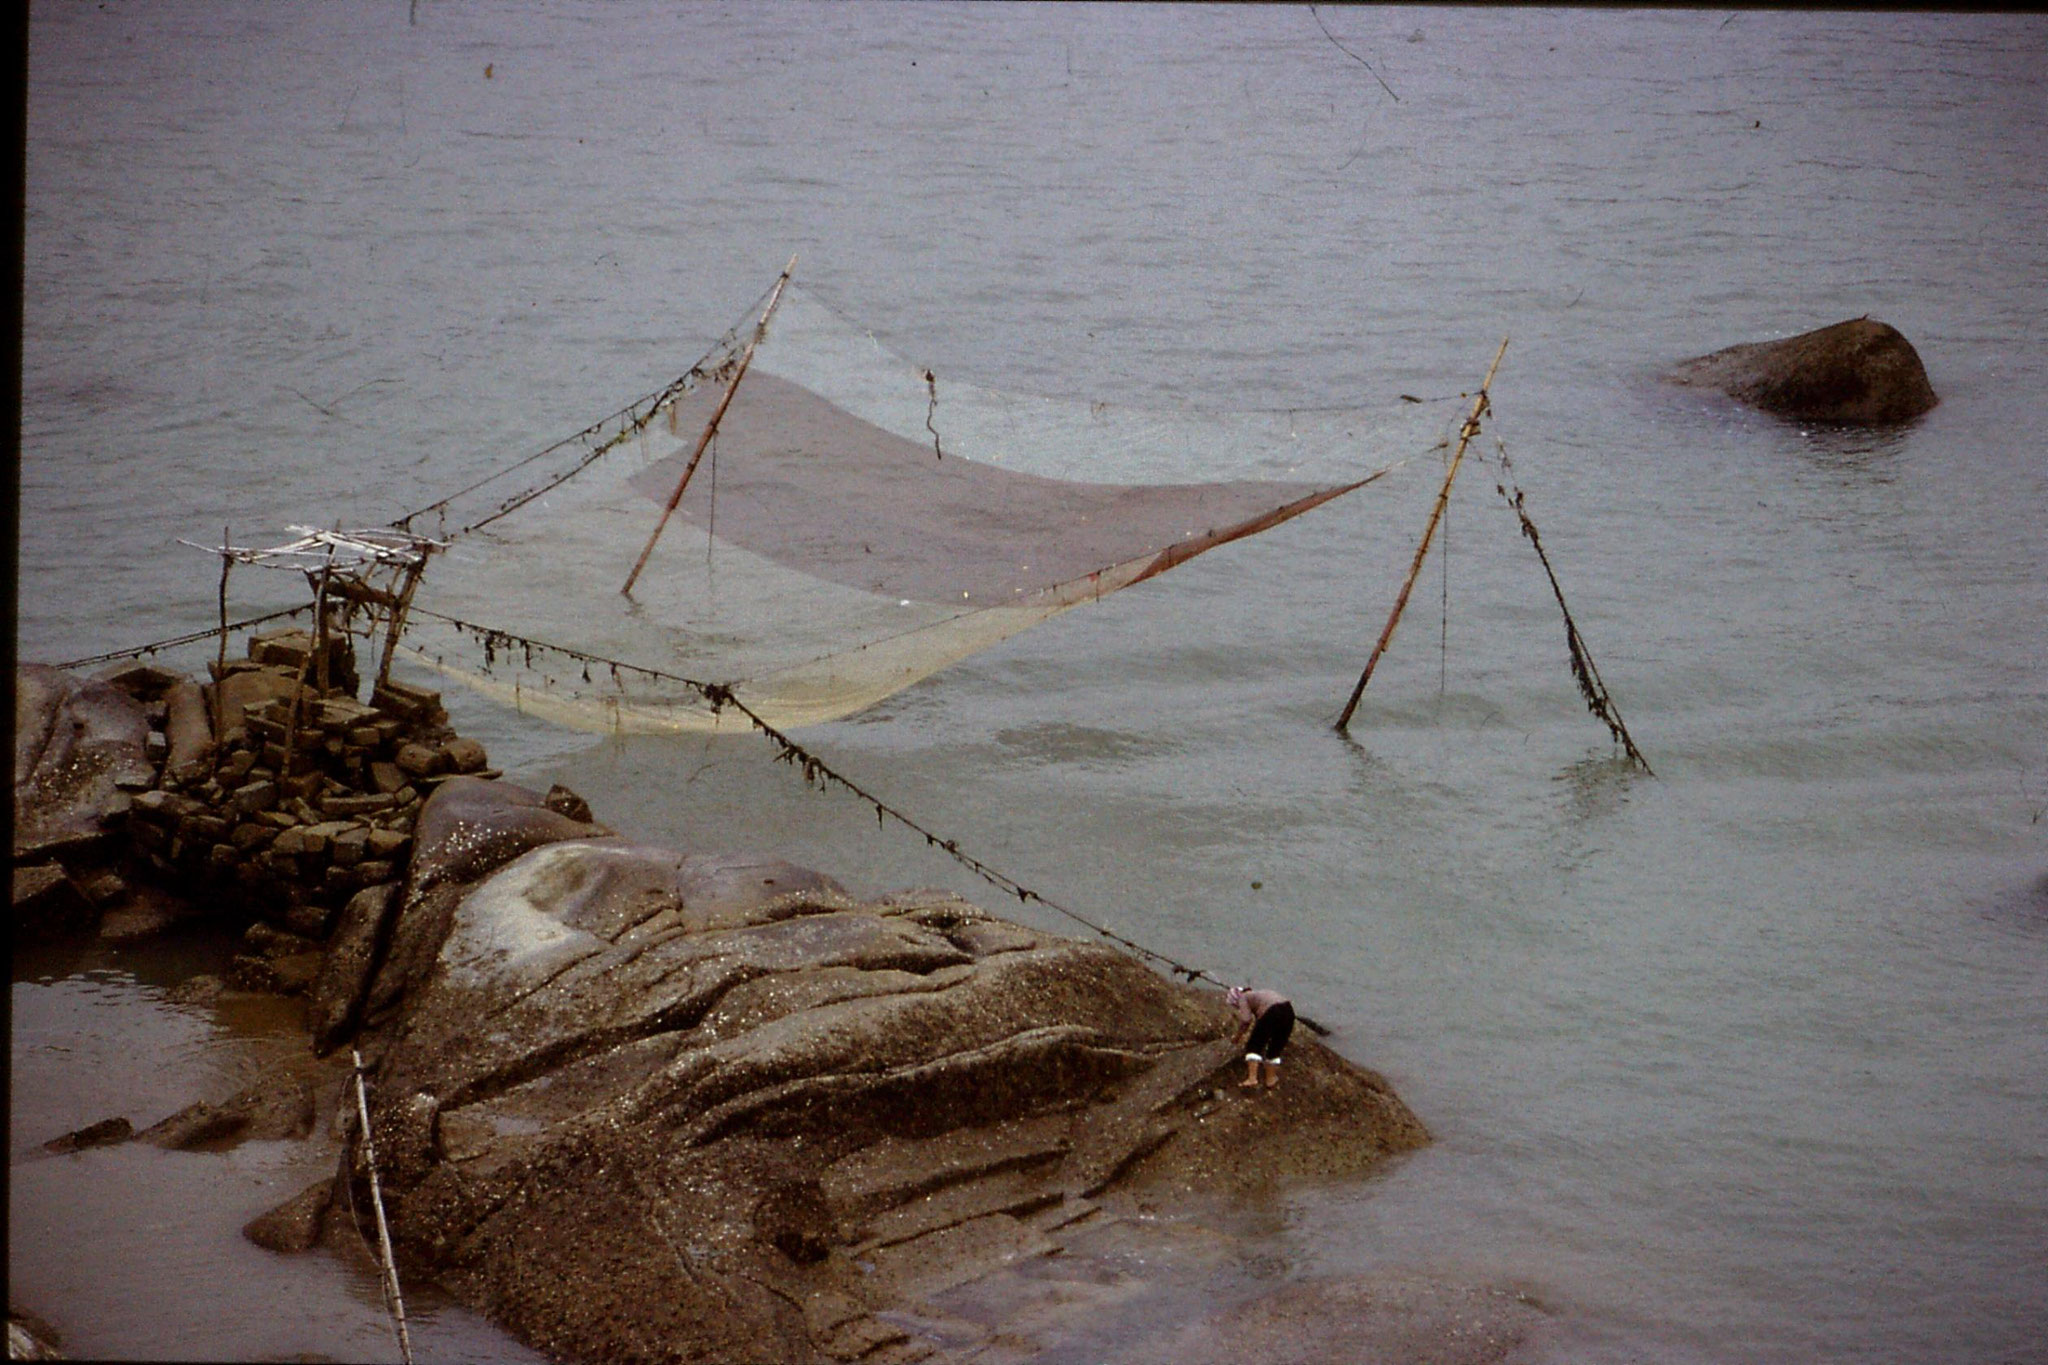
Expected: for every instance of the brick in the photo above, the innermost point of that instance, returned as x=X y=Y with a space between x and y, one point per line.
x=375 y=872
x=102 y=886
x=350 y=845
x=420 y=761
x=333 y=806
x=251 y=835
x=465 y=755
x=253 y=797
x=344 y=713
x=386 y=844
x=207 y=828
x=401 y=699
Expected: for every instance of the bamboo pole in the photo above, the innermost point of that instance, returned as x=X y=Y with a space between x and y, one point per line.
x=390 y=1266
x=710 y=428
x=1436 y=513
x=318 y=638
x=227 y=561
x=398 y=612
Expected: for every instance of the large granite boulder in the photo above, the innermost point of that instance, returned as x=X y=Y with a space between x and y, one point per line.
x=1859 y=371
x=386 y=939
x=643 y=1106
x=80 y=749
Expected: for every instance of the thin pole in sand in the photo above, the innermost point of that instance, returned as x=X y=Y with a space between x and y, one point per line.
x=390 y=1266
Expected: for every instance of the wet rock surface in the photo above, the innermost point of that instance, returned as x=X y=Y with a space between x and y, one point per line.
x=1859 y=371
x=637 y=1104
x=80 y=749
x=647 y=1105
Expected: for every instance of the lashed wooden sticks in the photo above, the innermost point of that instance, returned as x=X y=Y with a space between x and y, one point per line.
x=1436 y=514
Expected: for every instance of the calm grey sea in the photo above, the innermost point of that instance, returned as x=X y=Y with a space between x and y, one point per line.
x=1745 y=1062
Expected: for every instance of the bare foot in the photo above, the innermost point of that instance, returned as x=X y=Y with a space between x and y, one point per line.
x=1247 y=1085
x=1273 y=1084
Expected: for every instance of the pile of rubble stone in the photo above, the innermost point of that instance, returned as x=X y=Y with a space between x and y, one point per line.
x=268 y=794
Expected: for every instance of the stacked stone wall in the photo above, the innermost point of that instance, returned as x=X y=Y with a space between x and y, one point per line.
x=262 y=796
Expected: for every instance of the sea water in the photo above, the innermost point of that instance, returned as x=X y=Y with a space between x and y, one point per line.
x=1744 y=1061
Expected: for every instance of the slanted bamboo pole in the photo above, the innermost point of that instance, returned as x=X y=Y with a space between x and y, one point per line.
x=398 y=612
x=711 y=427
x=318 y=638
x=390 y=1266
x=1436 y=514
x=220 y=669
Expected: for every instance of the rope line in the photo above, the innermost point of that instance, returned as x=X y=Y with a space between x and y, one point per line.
x=821 y=774
x=1591 y=686
x=634 y=417
x=189 y=637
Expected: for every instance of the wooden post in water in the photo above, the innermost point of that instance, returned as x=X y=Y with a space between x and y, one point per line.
x=711 y=427
x=1436 y=513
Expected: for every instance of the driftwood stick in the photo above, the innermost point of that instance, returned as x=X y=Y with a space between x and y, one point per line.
x=1436 y=513
x=711 y=427
x=390 y=1266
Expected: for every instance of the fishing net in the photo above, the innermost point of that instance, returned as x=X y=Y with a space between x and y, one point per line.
x=856 y=524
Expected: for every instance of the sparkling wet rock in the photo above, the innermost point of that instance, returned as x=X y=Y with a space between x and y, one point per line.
x=614 y=1051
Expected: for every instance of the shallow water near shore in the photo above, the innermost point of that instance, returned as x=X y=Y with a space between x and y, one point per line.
x=1743 y=1062
x=135 y=1252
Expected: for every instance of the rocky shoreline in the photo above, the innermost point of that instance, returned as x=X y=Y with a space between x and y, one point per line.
x=634 y=1104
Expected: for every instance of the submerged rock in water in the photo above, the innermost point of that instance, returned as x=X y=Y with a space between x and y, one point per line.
x=105 y=1133
x=639 y=1105
x=1857 y=371
x=275 y=1108
x=296 y=1224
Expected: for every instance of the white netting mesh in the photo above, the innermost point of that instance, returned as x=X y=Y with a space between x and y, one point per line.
x=856 y=525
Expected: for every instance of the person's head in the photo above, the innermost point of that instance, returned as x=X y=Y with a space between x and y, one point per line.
x=1234 y=994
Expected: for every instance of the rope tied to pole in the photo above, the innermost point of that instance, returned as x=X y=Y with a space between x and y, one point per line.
x=1592 y=688
x=189 y=637
x=818 y=773
x=1470 y=429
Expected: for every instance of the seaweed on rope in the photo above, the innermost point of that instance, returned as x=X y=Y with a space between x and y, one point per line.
x=819 y=774
x=1592 y=689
